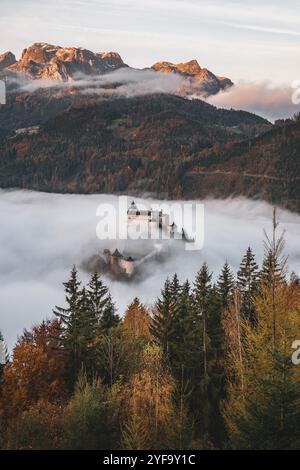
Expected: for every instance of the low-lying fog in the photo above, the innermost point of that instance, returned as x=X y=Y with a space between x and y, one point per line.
x=43 y=235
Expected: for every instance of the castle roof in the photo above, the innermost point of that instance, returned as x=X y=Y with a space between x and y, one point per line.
x=117 y=254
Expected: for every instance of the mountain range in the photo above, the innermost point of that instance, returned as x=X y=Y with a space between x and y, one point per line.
x=61 y=138
x=48 y=62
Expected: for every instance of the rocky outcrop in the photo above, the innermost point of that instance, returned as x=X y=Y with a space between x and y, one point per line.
x=45 y=61
x=198 y=80
x=112 y=60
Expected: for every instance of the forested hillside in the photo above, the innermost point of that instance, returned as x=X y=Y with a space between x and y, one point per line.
x=208 y=366
x=111 y=145
x=266 y=167
x=159 y=144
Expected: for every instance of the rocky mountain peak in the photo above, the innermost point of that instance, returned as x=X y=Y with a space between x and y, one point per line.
x=7 y=59
x=46 y=61
x=199 y=80
x=186 y=68
x=39 y=52
x=192 y=67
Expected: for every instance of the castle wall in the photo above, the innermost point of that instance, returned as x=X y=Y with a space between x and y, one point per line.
x=127 y=266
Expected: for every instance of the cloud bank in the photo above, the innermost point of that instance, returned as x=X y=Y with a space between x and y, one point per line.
x=123 y=82
x=263 y=98
x=268 y=100
x=43 y=235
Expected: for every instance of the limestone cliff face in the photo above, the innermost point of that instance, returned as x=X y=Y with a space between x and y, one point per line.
x=198 y=79
x=45 y=61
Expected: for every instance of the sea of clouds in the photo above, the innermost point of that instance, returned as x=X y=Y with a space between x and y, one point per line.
x=43 y=235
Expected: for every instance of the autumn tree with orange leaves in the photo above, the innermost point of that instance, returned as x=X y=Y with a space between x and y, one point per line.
x=36 y=372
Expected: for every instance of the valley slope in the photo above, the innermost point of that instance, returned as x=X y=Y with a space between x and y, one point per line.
x=160 y=144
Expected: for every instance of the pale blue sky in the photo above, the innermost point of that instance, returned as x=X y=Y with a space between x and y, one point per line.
x=248 y=39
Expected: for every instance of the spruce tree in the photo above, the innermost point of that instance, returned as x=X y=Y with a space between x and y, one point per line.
x=216 y=336
x=88 y=334
x=225 y=285
x=163 y=328
x=109 y=318
x=201 y=306
x=186 y=348
x=273 y=273
x=247 y=281
x=101 y=305
x=175 y=288
x=202 y=292
x=72 y=322
x=97 y=294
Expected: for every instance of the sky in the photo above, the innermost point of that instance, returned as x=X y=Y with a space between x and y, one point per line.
x=45 y=234
x=249 y=39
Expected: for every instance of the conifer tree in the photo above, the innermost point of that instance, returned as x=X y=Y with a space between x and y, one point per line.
x=73 y=324
x=88 y=334
x=247 y=281
x=175 y=288
x=274 y=266
x=216 y=368
x=225 y=285
x=271 y=271
x=110 y=318
x=163 y=322
x=97 y=294
x=100 y=304
x=233 y=325
x=201 y=304
x=187 y=351
x=202 y=296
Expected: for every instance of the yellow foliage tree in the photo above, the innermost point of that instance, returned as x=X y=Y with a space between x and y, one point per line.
x=137 y=319
x=154 y=421
x=263 y=405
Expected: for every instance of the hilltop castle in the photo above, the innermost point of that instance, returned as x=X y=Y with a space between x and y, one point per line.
x=152 y=224
x=119 y=264
x=154 y=221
